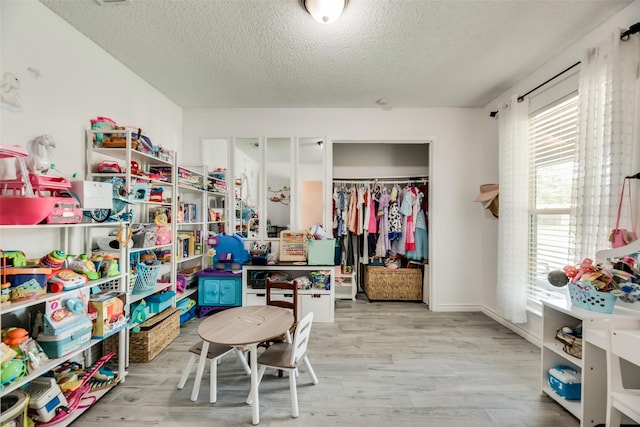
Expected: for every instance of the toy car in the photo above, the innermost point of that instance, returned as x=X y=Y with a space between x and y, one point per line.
x=135 y=168
x=109 y=167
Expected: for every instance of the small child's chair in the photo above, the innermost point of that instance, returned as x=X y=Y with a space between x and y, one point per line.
x=215 y=353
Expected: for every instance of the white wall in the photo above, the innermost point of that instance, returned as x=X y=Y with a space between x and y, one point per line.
x=624 y=19
x=78 y=81
x=464 y=156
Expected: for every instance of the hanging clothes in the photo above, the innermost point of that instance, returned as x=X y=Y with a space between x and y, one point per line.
x=373 y=224
x=407 y=210
x=421 y=251
x=395 y=218
x=360 y=206
x=353 y=210
x=382 y=244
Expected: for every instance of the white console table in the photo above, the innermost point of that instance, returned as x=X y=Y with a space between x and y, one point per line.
x=319 y=301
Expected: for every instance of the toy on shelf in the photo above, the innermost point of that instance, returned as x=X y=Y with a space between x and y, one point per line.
x=109 y=167
x=32 y=197
x=53 y=260
x=163 y=231
x=121 y=209
x=66 y=280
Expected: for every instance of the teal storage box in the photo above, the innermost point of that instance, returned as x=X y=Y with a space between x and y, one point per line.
x=65 y=342
x=159 y=302
x=565 y=381
x=321 y=252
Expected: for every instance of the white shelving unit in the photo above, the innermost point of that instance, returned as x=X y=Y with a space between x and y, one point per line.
x=191 y=221
x=19 y=313
x=345 y=283
x=591 y=409
x=216 y=215
x=158 y=176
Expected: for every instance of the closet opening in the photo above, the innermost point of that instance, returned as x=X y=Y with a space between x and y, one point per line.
x=380 y=215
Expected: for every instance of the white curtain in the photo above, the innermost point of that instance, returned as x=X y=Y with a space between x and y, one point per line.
x=514 y=204
x=609 y=113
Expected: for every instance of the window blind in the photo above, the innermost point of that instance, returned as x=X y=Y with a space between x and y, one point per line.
x=553 y=132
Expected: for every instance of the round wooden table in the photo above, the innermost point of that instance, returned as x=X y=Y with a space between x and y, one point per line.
x=244 y=326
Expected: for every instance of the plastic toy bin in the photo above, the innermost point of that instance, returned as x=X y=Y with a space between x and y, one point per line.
x=27 y=283
x=565 y=381
x=159 y=302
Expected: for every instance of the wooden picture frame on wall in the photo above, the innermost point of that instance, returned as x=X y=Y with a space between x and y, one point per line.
x=293 y=245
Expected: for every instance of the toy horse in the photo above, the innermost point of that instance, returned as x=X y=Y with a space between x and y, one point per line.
x=39 y=159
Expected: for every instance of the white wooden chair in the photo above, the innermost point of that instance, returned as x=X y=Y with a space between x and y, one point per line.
x=287 y=357
x=623 y=344
x=214 y=353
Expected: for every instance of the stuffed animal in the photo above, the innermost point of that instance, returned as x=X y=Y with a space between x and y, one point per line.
x=9 y=94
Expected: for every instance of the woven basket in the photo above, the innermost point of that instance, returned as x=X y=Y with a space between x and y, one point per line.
x=572 y=344
x=155 y=334
x=401 y=284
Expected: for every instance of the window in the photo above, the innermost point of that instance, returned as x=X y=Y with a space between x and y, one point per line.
x=553 y=131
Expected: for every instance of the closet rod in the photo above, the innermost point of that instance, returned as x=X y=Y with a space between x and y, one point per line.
x=400 y=180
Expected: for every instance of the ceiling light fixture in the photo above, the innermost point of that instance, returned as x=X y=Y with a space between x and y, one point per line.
x=325 y=11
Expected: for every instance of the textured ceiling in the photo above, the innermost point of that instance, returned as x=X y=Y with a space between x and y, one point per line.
x=271 y=53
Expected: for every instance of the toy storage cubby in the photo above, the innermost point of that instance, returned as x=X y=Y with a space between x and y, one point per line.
x=320 y=301
x=149 y=179
x=55 y=334
x=346 y=284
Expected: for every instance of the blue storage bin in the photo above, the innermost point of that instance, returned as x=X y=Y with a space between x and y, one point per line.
x=185 y=317
x=160 y=302
x=565 y=381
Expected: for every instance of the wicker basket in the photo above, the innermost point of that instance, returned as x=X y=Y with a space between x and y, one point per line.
x=572 y=344
x=155 y=335
x=401 y=284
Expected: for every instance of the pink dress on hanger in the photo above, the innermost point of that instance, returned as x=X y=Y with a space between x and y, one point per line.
x=410 y=243
x=373 y=226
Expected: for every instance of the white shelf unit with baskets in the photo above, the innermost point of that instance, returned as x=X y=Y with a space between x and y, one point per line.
x=20 y=313
x=150 y=181
x=591 y=408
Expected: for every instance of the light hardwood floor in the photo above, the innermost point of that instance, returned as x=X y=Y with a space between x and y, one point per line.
x=379 y=364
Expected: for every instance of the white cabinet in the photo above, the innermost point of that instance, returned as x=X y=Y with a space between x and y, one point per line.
x=319 y=301
x=591 y=408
